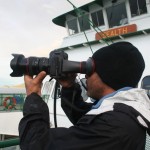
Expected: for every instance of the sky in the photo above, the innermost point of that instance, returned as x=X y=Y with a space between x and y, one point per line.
x=26 y=28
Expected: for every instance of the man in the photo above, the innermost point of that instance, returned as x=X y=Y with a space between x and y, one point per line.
x=118 y=119
x=124 y=20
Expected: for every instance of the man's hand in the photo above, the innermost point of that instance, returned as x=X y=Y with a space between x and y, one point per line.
x=68 y=81
x=34 y=84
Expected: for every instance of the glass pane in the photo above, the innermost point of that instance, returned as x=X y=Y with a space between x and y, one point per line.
x=94 y=19
x=97 y=18
x=84 y=23
x=117 y=15
x=72 y=26
x=142 y=7
x=137 y=7
x=100 y=18
x=133 y=7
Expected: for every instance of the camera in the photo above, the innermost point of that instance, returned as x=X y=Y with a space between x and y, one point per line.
x=57 y=65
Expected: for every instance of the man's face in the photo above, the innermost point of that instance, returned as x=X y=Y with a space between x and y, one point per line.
x=95 y=86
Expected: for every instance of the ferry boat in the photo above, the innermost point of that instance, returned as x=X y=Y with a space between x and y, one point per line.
x=102 y=22
x=97 y=24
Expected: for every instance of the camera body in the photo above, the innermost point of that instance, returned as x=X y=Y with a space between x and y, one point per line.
x=57 y=65
x=56 y=60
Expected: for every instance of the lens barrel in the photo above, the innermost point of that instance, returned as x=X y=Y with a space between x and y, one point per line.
x=31 y=66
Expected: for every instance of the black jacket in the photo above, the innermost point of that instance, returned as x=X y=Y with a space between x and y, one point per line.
x=112 y=130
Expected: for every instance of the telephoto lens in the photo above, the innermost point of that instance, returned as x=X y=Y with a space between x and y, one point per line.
x=56 y=65
x=31 y=65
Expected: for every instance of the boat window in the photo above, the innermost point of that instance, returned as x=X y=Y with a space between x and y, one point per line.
x=97 y=18
x=46 y=90
x=84 y=22
x=117 y=15
x=137 y=7
x=72 y=26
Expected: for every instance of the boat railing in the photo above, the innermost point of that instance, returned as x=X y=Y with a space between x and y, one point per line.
x=10 y=144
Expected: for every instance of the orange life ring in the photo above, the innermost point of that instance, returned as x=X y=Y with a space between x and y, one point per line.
x=11 y=104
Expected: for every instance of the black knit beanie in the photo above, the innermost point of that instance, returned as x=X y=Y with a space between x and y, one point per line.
x=119 y=65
